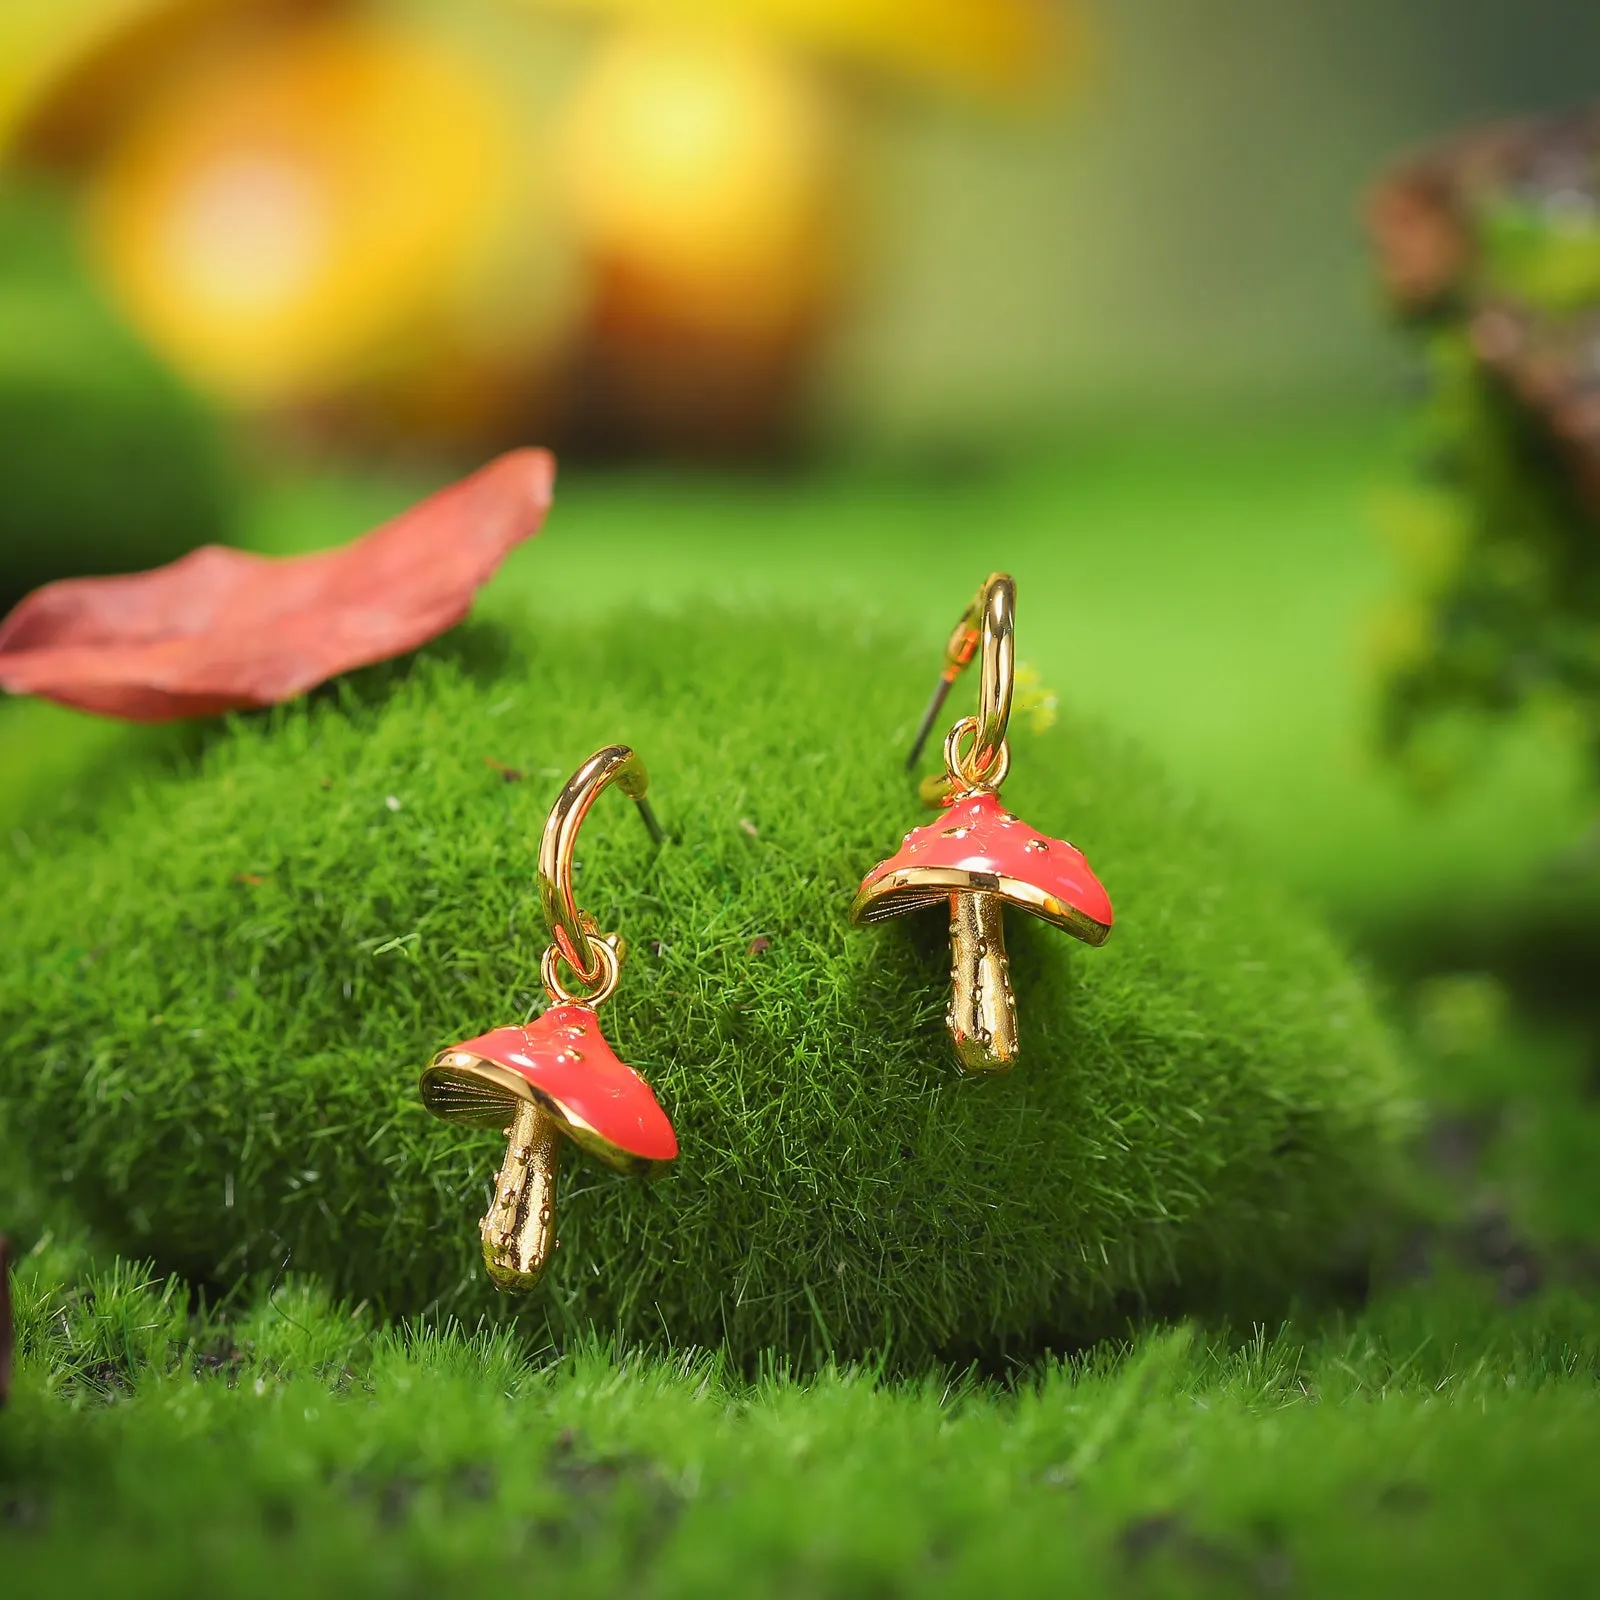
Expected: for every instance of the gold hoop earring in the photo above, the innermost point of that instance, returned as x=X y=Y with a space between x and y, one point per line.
x=979 y=857
x=556 y=1076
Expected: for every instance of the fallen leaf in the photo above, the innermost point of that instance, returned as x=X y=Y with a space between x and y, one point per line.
x=510 y=774
x=749 y=827
x=759 y=945
x=254 y=879
x=223 y=630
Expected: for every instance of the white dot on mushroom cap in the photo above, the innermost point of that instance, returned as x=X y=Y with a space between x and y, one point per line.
x=519 y=1061
x=955 y=833
x=1036 y=845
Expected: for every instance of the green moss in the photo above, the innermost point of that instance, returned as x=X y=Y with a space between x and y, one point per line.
x=1500 y=616
x=214 y=1007
x=1435 y=1446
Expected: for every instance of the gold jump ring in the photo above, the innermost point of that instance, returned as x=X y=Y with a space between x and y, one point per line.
x=610 y=970
x=964 y=771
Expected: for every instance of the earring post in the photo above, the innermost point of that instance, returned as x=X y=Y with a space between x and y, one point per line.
x=986 y=621
x=941 y=692
x=647 y=814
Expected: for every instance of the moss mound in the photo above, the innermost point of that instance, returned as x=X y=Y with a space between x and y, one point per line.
x=214 y=1008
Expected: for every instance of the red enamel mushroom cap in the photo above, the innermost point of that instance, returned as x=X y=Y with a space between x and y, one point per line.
x=561 y=1063
x=976 y=846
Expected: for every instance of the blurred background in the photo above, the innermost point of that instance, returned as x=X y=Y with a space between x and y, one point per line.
x=697 y=225
x=853 y=301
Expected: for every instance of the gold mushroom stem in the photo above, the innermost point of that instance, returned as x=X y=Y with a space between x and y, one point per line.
x=519 y=1228
x=983 y=1012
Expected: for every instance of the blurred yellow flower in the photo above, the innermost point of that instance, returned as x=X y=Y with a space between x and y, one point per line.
x=1000 y=48
x=70 y=70
x=345 y=207
x=43 y=41
x=702 y=172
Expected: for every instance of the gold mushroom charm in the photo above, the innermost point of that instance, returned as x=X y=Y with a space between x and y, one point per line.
x=977 y=857
x=556 y=1078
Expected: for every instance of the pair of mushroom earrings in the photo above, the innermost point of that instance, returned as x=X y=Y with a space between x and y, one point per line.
x=556 y=1077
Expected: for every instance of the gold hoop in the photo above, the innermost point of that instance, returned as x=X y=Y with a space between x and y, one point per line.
x=985 y=630
x=964 y=770
x=590 y=954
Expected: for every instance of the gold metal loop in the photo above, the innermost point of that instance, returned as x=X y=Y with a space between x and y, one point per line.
x=965 y=768
x=577 y=941
x=584 y=995
x=960 y=776
x=985 y=630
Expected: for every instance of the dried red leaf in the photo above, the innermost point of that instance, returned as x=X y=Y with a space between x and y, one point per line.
x=222 y=630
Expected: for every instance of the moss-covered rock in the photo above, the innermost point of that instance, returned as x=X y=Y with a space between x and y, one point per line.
x=214 y=1008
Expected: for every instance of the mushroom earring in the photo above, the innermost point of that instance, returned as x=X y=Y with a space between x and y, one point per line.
x=556 y=1077
x=977 y=857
